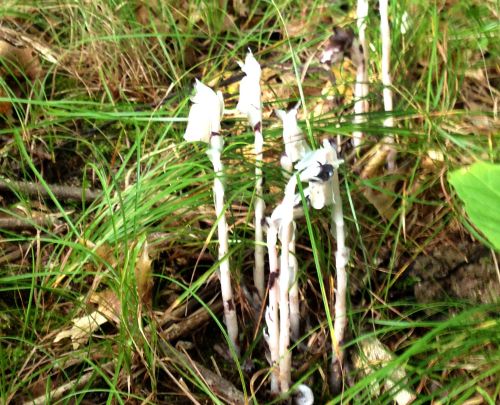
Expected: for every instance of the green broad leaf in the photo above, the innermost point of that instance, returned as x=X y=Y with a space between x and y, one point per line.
x=478 y=186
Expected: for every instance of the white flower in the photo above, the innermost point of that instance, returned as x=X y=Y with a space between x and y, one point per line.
x=205 y=114
x=320 y=194
x=249 y=102
x=303 y=395
x=317 y=168
x=296 y=146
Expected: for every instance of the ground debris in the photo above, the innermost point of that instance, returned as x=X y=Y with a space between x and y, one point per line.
x=373 y=355
x=466 y=272
x=82 y=329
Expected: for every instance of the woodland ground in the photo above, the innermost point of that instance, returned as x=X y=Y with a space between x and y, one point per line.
x=93 y=95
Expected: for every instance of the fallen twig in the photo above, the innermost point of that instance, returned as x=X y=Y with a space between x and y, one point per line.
x=19 y=223
x=60 y=391
x=220 y=386
x=15 y=254
x=189 y=324
x=21 y=40
x=62 y=192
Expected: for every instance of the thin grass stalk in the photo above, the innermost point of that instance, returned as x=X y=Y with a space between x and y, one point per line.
x=361 y=86
x=214 y=152
x=272 y=317
x=385 y=33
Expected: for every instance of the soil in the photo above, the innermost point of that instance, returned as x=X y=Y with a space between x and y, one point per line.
x=466 y=271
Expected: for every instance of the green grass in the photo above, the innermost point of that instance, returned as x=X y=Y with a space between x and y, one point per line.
x=110 y=115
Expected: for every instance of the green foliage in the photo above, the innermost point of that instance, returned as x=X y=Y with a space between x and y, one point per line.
x=478 y=186
x=110 y=116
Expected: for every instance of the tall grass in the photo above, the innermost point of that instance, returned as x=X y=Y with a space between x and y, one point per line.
x=110 y=116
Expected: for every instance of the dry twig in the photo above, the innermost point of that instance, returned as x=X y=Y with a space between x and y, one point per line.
x=62 y=192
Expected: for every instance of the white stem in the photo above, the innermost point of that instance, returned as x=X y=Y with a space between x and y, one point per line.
x=361 y=86
x=272 y=320
x=287 y=166
x=341 y=255
x=385 y=32
x=258 y=273
x=284 y=337
x=294 y=289
x=386 y=60
x=216 y=144
x=285 y=360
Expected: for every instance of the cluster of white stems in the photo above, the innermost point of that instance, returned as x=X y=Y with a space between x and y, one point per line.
x=344 y=43
x=301 y=164
x=318 y=169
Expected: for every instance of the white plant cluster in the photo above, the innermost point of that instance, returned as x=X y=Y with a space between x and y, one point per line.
x=343 y=43
x=317 y=168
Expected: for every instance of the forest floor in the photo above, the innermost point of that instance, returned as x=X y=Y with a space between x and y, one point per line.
x=108 y=248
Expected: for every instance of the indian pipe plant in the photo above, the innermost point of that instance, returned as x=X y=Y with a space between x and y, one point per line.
x=301 y=164
x=250 y=105
x=204 y=125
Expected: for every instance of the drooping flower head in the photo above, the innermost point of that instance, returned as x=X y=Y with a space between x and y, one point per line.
x=249 y=102
x=205 y=114
x=317 y=169
x=296 y=147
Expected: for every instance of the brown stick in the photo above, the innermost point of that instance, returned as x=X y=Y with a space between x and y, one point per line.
x=62 y=192
x=188 y=305
x=220 y=386
x=191 y=323
x=14 y=254
x=26 y=223
x=59 y=392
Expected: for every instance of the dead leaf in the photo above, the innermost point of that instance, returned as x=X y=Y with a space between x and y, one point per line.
x=147 y=14
x=373 y=164
x=5 y=106
x=240 y=8
x=280 y=84
x=142 y=14
x=82 y=329
x=22 y=40
x=382 y=202
x=104 y=251
x=108 y=304
x=373 y=354
x=18 y=62
x=144 y=278
x=303 y=24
